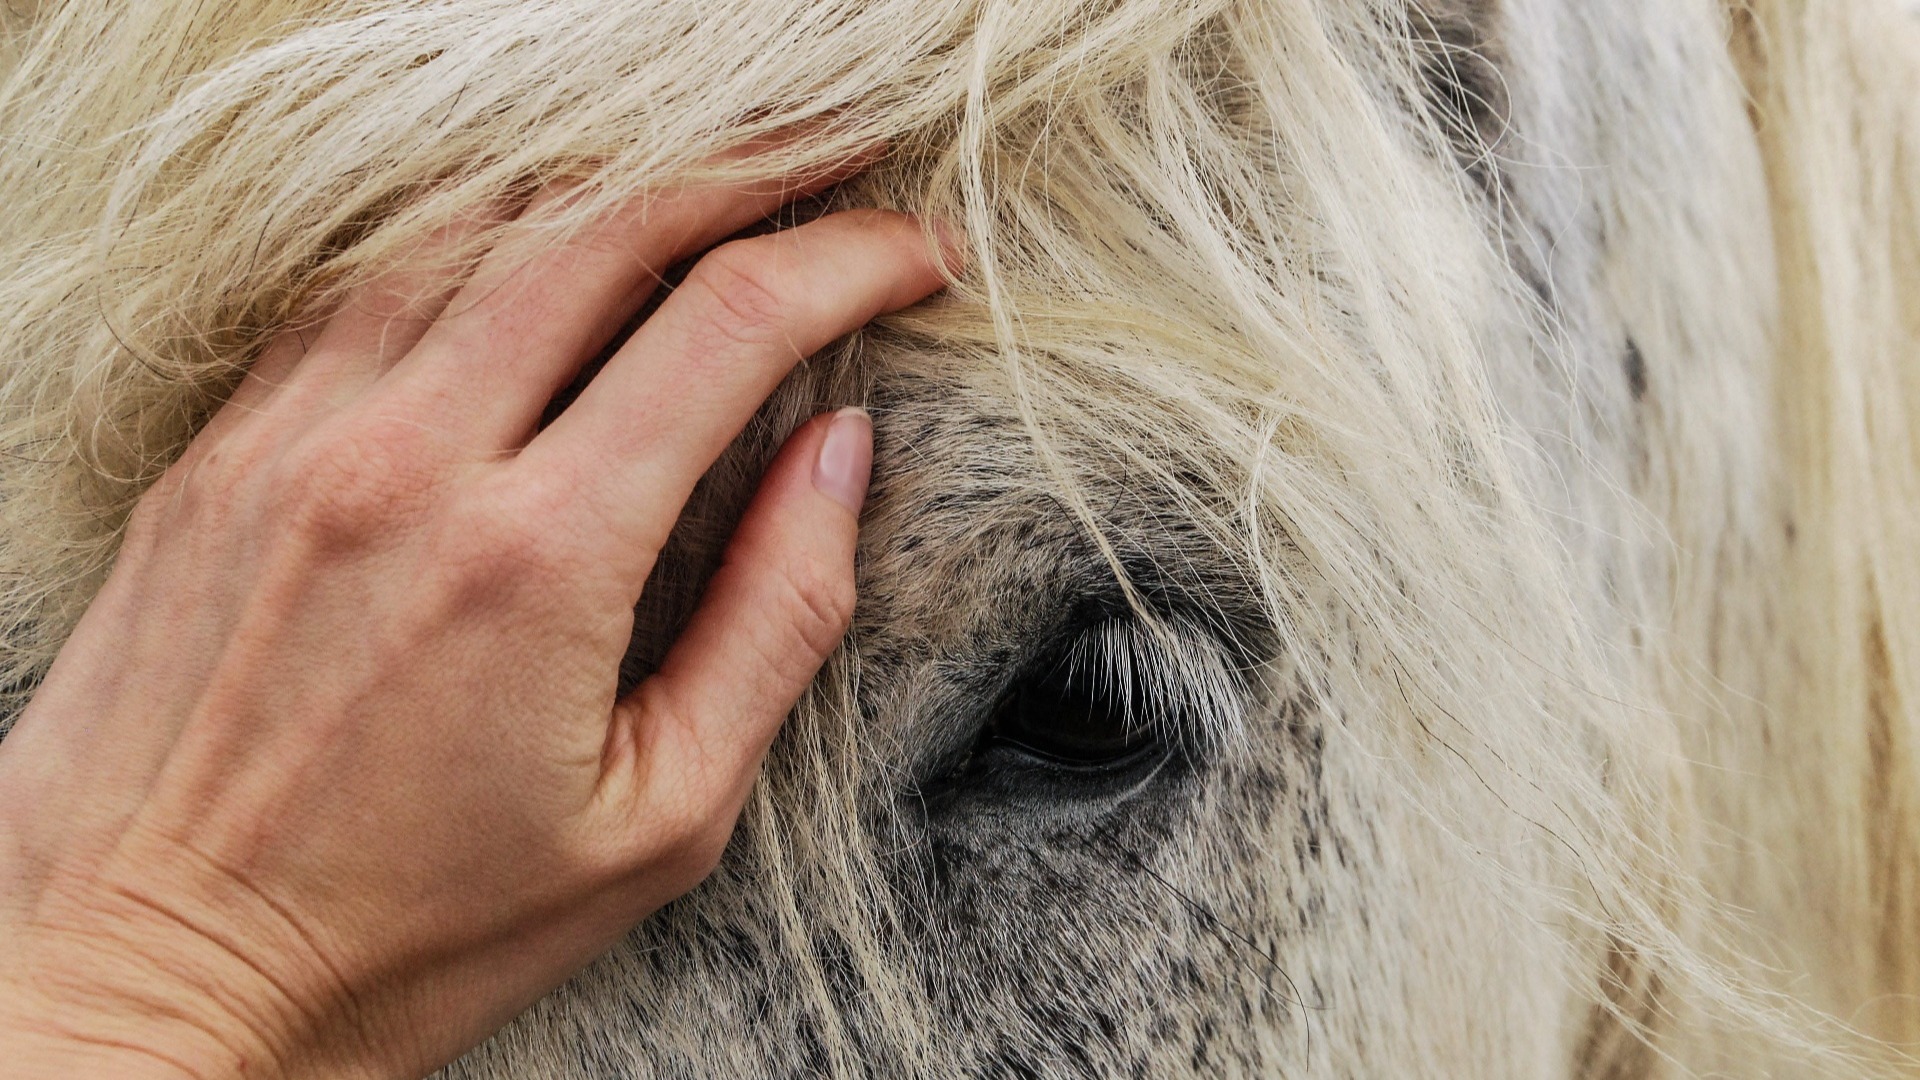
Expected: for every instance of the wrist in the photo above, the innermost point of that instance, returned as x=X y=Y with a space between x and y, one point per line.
x=42 y=1040
x=88 y=991
x=153 y=962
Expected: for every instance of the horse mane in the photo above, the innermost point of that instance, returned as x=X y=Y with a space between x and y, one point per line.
x=187 y=180
x=1829 y=703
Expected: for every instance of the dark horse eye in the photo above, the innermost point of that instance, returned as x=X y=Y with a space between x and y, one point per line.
x=1071 y=716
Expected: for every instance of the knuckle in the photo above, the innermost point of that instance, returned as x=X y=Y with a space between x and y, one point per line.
x=207 y=486
x=498 y=542
x=358 y=482
x=819 y=605
x=740 y=297
x=552 y=511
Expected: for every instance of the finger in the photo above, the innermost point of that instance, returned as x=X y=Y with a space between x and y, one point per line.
x=372 y=328
x=385 y=318
x=265 y=377
x=534 y=313
x=683 y=386
x=777 y=608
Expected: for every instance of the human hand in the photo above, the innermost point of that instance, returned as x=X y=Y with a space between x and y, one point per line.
x=331 y=779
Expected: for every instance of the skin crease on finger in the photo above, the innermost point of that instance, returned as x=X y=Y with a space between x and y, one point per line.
x=223 y=912
x=1391 y=560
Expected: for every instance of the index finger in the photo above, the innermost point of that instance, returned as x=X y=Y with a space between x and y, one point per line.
x=534 y=312
x=670 y=400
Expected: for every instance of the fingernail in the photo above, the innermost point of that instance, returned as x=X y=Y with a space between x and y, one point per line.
x=846 y=458
x=953 y=244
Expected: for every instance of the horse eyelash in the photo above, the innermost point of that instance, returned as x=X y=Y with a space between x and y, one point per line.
x=1189 y=694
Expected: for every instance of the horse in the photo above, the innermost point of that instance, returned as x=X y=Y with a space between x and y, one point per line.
x=1396 y=558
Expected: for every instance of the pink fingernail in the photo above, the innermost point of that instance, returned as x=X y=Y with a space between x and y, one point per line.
x=953 y=244
x=846 y=458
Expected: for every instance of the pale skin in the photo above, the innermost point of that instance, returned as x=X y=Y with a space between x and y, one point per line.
x=333 y=778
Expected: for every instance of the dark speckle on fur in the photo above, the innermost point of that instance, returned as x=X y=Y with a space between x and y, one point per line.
x=1636 y=367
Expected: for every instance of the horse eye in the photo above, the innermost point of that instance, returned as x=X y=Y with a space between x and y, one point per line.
x=1072 y=717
